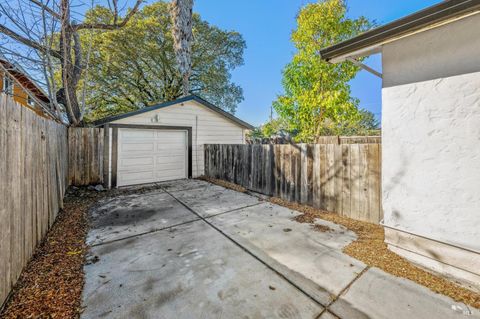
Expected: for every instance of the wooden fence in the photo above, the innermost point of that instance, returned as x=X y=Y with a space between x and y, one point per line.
x=349 y=140
x=320 y=140
x=344 y=179
x=85 y=156
x=33 y=179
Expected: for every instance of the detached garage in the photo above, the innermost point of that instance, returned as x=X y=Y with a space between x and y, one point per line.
x=165 y=141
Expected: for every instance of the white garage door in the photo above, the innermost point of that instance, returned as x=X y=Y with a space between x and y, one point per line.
x=150 y=155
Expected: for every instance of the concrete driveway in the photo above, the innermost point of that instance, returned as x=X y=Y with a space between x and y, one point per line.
x=195 y=250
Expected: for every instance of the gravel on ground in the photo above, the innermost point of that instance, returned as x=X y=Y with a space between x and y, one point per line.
x=371 y=249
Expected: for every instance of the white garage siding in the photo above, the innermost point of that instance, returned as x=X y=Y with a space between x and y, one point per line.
x=208 y=127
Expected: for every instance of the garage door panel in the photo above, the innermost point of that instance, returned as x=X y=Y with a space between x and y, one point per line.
x=169 y=165
x=169 y=146
x=138 y=134
x=137 y=147
x=150 y=155
x=177 y=155
x=169 y=139
x=166 y=150
x=128 y=162
x=161 y=135
x=166 y=175
x=161 y=161
x=129 y=178
x=169 y=172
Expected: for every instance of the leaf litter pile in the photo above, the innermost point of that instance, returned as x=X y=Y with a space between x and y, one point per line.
x=370 y=248
x=51 y=284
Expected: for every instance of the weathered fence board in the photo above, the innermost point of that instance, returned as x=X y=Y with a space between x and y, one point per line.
x=349 y=140
x=341 y=178
x=33 y=171
x=85 y=156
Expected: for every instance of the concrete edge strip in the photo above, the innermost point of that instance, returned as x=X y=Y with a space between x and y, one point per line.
x=250 y=253
x=144 y=233
x=171 y=226
x=181 y=190
x=344 y=290
x=191 y=188
x=232 y=210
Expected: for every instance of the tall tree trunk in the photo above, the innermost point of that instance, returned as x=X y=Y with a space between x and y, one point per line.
x=182 y=37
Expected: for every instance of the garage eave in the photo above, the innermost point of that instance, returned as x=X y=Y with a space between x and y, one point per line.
x=371 y=41
x=174 y=102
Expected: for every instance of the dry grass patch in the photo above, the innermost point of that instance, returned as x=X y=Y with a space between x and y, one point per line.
x=371 y=249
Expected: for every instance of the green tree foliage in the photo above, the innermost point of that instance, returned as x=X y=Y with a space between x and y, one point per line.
x=367 y=123
x=270 y=129
x=317 y=98
x=135 y=66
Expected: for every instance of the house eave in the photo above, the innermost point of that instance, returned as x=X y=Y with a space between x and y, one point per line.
x=371 y=41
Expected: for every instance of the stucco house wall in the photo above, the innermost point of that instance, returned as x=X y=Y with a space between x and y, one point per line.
x=431 y=147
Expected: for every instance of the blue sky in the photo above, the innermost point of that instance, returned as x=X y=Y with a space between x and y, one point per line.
x=266 y=26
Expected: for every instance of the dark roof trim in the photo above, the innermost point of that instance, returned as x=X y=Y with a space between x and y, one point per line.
x=177 y=101
x=443 y=11
x=16 y=70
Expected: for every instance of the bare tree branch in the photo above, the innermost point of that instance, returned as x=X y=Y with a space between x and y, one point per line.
x=115 y=25
x=48 y=68
x=77 y=49
x=46 y=8
x=115 y=11
x=38 y=31
x=35 y=45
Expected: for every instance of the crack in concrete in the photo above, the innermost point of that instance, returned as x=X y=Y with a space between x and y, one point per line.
x=326 y=308
x=231 y=211
x=144 y=233
x=344 y=290
x=168 y=227
x=247 y=251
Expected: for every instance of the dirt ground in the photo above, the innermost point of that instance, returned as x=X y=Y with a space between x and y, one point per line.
x=371 y=249
x=51 y=284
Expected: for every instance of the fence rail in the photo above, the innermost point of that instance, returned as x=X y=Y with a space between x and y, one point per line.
x=85 y=156
x=339 y=178
x=33 y=179
x=335 y=139
x=349 y=140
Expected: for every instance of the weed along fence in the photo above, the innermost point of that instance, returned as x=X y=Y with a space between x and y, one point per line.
x=33 y=179
x=344 y=179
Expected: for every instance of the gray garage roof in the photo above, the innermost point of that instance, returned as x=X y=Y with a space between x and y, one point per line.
x=369 y=42
x=180 y=100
